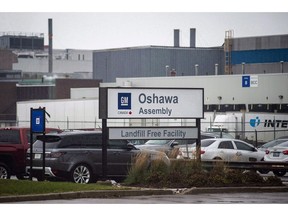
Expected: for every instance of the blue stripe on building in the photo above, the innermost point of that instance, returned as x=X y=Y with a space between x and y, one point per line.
x=259 y=56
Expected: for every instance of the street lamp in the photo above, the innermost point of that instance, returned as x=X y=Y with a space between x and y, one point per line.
x=167 y=70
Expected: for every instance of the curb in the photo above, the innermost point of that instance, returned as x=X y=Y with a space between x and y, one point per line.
x=85 y=194
x=140 y=192
x=273 y=189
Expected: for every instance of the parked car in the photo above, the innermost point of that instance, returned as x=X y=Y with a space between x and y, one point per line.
x=14 y=142
x=225 y=149
x=77 y=156
x=272 y=143
x=173 y=148
x=137 y=142
x=278 y=153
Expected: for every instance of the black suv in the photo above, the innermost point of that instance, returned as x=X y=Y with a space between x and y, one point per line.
x=77 y=156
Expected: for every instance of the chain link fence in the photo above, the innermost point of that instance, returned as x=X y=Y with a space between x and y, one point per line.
x=255 y=137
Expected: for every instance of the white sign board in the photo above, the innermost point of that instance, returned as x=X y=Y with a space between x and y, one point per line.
x=153 y=133
x=254 y=81
x=155 y=103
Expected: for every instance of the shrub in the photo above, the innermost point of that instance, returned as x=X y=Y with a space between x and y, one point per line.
x=157 y=173
x=252 y=178
x=138 y=172
x=273 y=181
x=197 y=179
x=233 y=177
x=190 y=173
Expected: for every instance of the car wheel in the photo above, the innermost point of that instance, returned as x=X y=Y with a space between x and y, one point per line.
x=279 y=173
x=82 y=174
x=4 y=172
x=263 y=171
x=217 y=158
x=40 y=178
x=21 y=177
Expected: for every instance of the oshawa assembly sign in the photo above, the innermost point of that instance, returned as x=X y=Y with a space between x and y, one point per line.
x=155 y=103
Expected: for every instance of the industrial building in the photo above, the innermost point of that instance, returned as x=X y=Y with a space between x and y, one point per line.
x=31 y=57
x=256 y=55
x=249 y=55
x=243 y=75
x=22 y=41
x=29 y=71
x=267 y=94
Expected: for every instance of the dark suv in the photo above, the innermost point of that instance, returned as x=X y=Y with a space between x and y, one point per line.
x=77 y=156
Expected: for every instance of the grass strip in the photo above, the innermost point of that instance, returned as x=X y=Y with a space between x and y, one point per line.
x=25 y=187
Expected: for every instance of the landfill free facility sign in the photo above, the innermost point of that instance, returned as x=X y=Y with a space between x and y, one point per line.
x=153 y=133
x=155 y=103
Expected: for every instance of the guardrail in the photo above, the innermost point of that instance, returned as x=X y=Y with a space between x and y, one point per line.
x=257 y=165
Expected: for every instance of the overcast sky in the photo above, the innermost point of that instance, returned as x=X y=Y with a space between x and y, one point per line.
x=104 y=29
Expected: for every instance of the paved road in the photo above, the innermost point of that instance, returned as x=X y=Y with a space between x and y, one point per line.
x=223 y=198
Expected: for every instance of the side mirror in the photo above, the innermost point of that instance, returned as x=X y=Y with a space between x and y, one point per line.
x=174 y=144
x=130 y=146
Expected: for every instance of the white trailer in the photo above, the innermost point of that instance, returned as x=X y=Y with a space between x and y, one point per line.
x=64 y=113
x=251 y=126
x=67 y=114
x=84 y=114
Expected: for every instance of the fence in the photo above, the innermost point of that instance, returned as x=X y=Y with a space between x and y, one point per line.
x=261 y=166
x=255 y=137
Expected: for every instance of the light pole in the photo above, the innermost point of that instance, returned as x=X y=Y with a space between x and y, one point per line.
x=167 y=70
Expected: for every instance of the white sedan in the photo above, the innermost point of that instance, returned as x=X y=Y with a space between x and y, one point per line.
x=224 y=149
x=278 y=153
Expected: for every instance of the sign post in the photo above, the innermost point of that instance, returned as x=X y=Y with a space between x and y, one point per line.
x=37 y=125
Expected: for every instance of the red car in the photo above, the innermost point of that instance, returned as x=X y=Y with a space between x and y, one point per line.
x=14 y=142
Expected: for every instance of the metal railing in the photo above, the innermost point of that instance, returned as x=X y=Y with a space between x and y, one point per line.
x=251 y=165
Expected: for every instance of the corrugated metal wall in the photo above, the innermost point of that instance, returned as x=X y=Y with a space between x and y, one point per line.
x=266 y=54
x=262 y=42
x=152 y=61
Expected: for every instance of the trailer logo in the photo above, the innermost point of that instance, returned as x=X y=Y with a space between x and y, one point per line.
x=255 y=122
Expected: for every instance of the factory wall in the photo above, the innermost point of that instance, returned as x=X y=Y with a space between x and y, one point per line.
x=156 y=61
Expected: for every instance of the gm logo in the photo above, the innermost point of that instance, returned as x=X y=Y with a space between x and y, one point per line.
x=124 y=101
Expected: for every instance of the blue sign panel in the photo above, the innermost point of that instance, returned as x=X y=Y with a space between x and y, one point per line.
x=245 y=81
x=38 y=120
x=124 y=101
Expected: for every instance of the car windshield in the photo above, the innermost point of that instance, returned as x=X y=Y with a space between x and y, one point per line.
x=273 y=143
x=48 y=145
x=137 y=142
x=204 y=143
x=284 y=144
x=227 y=135
x=157 y=142
x=9 y=136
